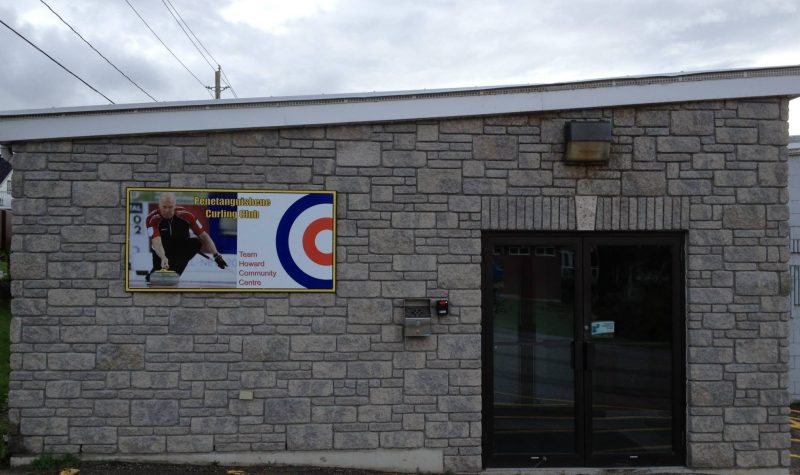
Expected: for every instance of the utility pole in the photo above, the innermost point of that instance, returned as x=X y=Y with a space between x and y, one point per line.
x=216 y=83
x=217 y=88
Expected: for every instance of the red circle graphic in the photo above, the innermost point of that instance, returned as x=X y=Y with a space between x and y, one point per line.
x=310 y=245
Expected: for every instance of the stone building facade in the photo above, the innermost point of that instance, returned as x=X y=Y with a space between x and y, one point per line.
x=99 y=371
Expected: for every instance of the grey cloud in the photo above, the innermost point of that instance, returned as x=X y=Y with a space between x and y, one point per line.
x=366 y=45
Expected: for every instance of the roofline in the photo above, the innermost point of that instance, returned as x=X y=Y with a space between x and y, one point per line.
x=296 y=111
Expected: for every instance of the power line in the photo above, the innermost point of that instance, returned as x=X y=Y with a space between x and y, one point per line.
x=187 y=34
x=53 y=60
x=98 y=52
x=195 y=36
x=167 y=47
x=227 y=81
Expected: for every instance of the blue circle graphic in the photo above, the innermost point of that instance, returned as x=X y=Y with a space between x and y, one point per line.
x=282 y=241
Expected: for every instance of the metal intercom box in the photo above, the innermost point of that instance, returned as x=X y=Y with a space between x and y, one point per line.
x=417 y=317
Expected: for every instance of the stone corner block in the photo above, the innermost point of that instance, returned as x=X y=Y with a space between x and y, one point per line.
x=26 y=265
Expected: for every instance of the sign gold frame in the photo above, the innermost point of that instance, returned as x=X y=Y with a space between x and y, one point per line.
x=271 y=219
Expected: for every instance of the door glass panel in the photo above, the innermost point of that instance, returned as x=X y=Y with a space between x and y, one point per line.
x=629 y=349
x=533 y=318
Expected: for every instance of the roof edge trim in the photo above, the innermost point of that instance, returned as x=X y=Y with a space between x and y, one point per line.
x=203 y=116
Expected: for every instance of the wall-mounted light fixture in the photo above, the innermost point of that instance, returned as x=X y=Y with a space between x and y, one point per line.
x=587 y=142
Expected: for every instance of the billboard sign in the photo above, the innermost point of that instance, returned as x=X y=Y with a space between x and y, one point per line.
x=230 y=240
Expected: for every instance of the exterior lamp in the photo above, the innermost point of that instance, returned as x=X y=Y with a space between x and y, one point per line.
x=587 y=142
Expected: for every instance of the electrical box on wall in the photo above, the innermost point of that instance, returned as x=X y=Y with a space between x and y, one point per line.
x=417 y=317
x=442 y=307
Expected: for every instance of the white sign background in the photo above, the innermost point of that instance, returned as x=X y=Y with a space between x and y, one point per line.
x=259 y=236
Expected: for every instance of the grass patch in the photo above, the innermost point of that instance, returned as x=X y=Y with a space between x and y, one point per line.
x=4 y=264
x=50 y=463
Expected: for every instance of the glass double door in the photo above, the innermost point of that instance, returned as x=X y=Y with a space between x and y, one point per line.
x=583 y=350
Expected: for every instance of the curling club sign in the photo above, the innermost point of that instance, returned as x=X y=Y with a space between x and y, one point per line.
x=226 y=240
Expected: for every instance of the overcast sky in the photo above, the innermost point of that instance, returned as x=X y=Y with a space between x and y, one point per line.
x=296 y=47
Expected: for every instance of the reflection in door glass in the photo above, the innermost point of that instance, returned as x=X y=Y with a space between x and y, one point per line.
x=533 y=299
x=631 y=339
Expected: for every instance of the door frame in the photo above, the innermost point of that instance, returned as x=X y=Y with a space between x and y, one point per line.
x=582 y=240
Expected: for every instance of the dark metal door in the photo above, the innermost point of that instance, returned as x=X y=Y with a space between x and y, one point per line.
x=583 y=350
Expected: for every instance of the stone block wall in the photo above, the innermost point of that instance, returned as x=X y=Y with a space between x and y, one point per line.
x=98 y=370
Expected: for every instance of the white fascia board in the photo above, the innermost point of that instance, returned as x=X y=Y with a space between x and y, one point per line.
x=66 y=125
x=154 y=106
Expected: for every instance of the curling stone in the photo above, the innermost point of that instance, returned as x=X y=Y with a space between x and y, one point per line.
x=164 y=278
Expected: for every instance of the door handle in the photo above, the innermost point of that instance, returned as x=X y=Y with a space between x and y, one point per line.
x=588 y=355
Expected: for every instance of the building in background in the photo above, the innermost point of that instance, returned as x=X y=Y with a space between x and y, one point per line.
x=794 y=265
x=5 y=204
x=5 y=185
